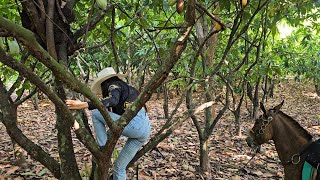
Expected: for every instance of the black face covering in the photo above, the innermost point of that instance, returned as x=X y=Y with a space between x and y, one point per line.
x=116 y=93
x=105 y=85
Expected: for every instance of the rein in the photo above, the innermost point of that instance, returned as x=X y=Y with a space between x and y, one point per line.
x=295 y=158
x=254 y=155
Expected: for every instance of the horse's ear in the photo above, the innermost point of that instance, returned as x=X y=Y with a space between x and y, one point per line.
x=277 y=108
x=263 y=109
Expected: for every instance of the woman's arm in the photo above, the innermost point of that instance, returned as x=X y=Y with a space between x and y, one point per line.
x=112 y=99
x=76 y=104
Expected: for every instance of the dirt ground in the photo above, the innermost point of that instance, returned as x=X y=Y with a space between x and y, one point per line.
x=229 y=154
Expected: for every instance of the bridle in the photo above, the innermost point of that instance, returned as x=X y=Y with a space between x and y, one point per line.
x=295 y=158
x=265 y=123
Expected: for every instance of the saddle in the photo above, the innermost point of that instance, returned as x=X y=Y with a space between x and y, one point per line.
x=313 y=154
x=311 y=166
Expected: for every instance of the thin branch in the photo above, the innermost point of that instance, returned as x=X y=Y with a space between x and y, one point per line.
x=112 y=37
x=49 y=30
x=91 y=24
x=89 y=17
x=199 y=6
x=64 y=19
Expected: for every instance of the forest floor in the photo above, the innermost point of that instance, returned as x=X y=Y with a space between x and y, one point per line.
x=229 y=154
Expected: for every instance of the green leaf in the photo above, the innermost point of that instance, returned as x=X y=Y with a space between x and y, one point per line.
x=145 y=24
x=274 y=31
x=246 y=16
x=225 y=4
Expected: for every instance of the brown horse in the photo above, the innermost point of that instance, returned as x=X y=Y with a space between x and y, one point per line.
x=290 y=139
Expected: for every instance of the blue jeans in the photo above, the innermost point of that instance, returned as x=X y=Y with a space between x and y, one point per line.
x=137 y=131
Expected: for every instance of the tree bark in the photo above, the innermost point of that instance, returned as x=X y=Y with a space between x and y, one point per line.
x=317 y=87
x=165 y=101
x=8 y=116
x=255 y=102
x=204 y=155
x=69 y=167
x=238 y=124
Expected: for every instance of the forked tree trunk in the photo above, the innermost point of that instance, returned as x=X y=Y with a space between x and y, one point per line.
x=236 y=114
x=8 y=116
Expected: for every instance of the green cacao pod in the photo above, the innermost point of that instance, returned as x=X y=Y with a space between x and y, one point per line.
x=102 y=3
x=14 y=47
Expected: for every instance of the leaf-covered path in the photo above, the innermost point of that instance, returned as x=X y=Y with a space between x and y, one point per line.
x=178 y=156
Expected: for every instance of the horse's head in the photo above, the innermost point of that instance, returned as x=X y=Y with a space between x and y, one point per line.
x=262 y=130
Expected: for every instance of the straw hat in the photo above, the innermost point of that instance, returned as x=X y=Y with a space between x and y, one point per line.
x=102 y=76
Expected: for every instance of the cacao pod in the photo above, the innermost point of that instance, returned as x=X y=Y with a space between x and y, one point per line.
x=244 y=3
x=14 y=47
x=102 y=3
x=179 y=6
x=217 y=26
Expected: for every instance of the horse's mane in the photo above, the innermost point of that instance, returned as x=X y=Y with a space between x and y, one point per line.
x=305 y=133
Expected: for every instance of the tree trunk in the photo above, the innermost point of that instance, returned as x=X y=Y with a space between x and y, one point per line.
x=69 y=167
x=204 y=155
x=249 y=91
x=317 y=87
x=165 y=101
x=255 y=102
x=271 y=88
x=101 y=172
x=8 y=116
x=238 y=125
x=265 y=89
x=35 y=101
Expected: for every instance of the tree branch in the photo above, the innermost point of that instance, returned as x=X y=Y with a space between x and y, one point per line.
x=91 y=25
x=9 y=118
x=49 y=30
x=27 y=38
x=112 y=37
x=89 y=142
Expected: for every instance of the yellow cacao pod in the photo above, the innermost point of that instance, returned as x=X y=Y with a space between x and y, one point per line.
x=217 y=26
x=244 y=3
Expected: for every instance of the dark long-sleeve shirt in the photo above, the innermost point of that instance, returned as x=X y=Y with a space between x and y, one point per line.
x=115 y=95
